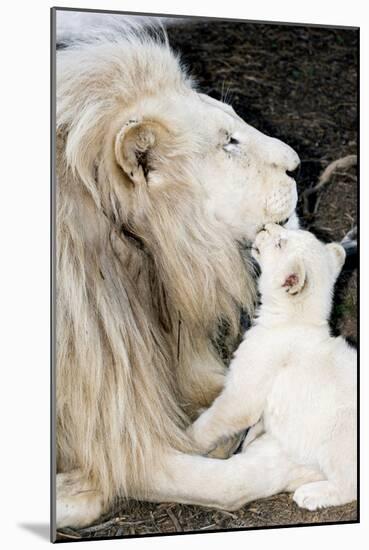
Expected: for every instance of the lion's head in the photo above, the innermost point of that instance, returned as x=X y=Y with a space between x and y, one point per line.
x=178 y=170
x=242 y=175
x=156 y=186
x=159 y=131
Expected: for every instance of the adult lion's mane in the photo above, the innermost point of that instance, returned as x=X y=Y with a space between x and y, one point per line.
x=143 y=276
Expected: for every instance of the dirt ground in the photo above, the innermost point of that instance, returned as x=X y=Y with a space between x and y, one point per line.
x=298 y=84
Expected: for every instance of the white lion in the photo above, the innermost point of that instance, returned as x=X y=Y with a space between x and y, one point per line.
x=156 y=186
x=291 y=373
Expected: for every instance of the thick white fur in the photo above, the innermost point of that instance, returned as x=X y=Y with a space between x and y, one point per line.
x=152 y=201
x=289 y=377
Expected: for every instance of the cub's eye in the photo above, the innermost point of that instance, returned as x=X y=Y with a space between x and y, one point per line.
x=281 y=242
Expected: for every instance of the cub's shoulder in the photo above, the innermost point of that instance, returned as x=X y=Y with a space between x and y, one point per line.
x=345 y=355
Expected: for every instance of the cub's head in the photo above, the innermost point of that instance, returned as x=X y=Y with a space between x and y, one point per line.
x=296 y=267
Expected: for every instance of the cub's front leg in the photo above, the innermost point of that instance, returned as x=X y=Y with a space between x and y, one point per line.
x=223 y=419
x=241 y=403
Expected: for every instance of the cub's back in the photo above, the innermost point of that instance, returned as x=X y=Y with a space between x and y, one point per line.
x=313 y=392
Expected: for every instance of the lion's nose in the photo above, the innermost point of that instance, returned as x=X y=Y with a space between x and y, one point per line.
x=280 y=155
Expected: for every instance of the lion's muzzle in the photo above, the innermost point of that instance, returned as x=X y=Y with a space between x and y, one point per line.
x=281 y=202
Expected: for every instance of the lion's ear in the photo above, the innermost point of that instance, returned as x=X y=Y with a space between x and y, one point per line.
x=294 y=278
x=136 y=146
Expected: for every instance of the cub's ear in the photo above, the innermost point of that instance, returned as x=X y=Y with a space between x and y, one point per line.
x=295 y=277
x=137 y=144
x=337 y=254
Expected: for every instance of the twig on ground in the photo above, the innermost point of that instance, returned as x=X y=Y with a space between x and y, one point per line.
x=343 y=163
x=68 y=533
x=351 y=235
x=100 y=526
x=175 y=521
x=349 y=243
x=228 y=514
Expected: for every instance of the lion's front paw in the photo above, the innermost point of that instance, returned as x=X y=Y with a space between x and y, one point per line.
x=77 y=502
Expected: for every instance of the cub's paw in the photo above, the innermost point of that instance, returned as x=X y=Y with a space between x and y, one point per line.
x=198 y=438
x=226 y=448
x=313 y=496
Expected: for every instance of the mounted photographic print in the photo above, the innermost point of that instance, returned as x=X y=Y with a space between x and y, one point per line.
x=204 y=273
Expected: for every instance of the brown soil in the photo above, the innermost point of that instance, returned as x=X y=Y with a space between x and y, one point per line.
x=143 y=518
x=298 y=84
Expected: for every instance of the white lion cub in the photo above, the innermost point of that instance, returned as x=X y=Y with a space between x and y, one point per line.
x=289 y=377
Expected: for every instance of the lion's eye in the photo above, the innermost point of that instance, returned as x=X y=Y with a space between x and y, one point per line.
x=231 y=143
